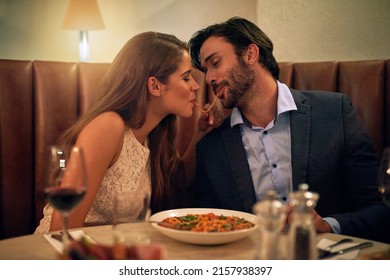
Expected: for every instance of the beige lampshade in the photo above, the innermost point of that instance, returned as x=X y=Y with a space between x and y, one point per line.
x=83 y=15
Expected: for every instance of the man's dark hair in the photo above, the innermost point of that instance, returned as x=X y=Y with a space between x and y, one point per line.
x=240 y=33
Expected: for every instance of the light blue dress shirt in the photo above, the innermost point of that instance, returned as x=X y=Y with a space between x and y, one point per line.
x=268 y=150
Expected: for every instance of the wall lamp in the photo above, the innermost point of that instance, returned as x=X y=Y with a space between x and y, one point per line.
x=83 y=15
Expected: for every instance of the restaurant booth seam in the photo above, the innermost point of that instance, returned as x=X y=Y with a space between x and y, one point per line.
x=40 y=99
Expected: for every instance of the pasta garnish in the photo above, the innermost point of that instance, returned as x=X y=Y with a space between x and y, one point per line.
x=209 y=222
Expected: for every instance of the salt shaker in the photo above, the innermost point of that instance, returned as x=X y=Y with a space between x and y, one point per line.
x=302 y=235
x=271 y=215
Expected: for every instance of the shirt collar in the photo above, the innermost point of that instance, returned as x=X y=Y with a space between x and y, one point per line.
x=285 y=103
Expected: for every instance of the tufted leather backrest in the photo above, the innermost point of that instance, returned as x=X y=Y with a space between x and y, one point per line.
x=363 y=81
x=316 y=76
x=56 y=108
x=90 y=76
x=16 y=148
x=387 y=105
x=40 y=99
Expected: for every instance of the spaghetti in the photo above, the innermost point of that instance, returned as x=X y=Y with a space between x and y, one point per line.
x=206 y=223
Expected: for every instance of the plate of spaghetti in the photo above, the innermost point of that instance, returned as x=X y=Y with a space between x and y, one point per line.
x=205 y=226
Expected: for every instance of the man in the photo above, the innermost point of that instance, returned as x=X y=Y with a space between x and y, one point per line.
x=277 y=138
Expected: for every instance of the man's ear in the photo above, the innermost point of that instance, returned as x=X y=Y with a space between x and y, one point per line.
x=154 y=86
x=252 y=54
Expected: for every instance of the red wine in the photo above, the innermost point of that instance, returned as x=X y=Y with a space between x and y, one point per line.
x=64 y=199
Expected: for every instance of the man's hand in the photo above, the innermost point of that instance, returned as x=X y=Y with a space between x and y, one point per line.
x=320 y=224
x=210 y=119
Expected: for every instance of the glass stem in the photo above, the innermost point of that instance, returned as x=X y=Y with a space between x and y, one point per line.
x=65 y=234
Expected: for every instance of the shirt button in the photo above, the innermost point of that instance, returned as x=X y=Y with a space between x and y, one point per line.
x=265 y=132
x=274 y=165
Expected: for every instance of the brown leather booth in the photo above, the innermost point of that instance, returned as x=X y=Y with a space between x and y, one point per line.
x=39 y=99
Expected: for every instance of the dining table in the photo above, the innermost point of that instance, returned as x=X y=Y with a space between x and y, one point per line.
x=37 y=247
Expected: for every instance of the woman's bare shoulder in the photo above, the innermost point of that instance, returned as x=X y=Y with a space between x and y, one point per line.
x=109 y=118
x=108 y=125
x=108 y=122
x=105 y=134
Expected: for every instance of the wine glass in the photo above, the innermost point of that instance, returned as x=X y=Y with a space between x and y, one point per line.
x=130 y=213
x=384 y=177
x=65 y=183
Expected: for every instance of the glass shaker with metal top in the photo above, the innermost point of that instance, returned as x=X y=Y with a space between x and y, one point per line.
x=271 y=216
x=302 y=234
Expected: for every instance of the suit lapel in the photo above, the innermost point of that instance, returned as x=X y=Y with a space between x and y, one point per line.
x=239 y=166
x=300 y=138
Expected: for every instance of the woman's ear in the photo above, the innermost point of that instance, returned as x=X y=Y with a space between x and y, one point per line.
x=154 y=86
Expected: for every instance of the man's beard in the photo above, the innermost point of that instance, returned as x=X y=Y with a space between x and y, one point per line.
x=240 y=81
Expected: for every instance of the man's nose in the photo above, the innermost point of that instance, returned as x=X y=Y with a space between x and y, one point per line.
x=210 y=78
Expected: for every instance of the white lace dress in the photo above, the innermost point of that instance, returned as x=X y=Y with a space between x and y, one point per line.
x=129 y=175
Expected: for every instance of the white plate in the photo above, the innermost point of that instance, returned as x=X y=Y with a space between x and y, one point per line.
x=203 y=238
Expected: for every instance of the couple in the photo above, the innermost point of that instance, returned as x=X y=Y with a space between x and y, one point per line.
x=275 y=137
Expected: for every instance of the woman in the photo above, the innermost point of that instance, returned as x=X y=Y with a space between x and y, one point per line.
x=129 y=131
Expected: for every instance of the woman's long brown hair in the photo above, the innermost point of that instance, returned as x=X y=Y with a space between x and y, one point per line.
x=125 y=92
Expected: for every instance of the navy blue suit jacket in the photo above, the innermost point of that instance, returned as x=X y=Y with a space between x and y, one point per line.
x=331 y=151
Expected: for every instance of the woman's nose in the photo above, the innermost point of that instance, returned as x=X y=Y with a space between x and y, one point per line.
x=195 y=86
